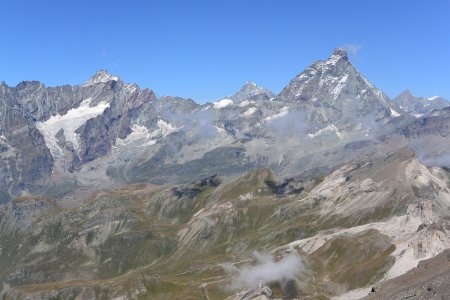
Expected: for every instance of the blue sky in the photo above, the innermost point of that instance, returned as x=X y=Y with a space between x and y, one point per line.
x=207 y=49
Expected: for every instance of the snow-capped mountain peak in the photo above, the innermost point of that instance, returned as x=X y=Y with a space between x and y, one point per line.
x=251 y=91
x=339 y=89
x=101 y=76
x=338 y=54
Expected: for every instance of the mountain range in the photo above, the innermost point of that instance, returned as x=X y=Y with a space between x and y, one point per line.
x=108 y=191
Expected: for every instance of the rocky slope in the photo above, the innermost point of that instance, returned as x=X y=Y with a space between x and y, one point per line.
x=429 y=280
x=193 y=240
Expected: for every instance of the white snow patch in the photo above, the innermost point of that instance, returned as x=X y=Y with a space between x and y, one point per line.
x=141 y=135
x=283 y=111
x=333 y=59
x=329 y=128
x=245 y=103
x=223 y=103
x=338 y=89
x=418 y=115
x=394 y=113
x=220 y=130
x=250 y=111
x=433 y=98
x=71 y=121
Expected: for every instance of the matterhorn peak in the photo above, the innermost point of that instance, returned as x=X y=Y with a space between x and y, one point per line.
x=338 y=54
x=100 y=76
x=341 y=52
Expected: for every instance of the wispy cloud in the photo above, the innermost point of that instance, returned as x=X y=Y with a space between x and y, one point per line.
x=266 y=270
x=353 y=48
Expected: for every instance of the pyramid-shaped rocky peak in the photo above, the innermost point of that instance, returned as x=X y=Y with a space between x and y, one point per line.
x=337 y=86
x=338 y=54
x=101 y=76
x=406 y=93
x=252 y=91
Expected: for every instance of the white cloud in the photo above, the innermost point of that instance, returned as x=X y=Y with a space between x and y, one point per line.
x=353 y=48
x=266 y=270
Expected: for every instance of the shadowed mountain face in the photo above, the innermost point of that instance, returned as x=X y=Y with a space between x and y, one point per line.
x=324 y=190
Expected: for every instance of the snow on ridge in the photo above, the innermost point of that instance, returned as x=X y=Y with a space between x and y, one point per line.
x=101 y=76
x=141 y=135
x=70 y=122
x=220 y=130
x=223 y=103
x=394 y=113
x=245 y=103
x=433 y=98
x=284 y=111
x=338 y=89
x=329 y=128
x=333 y=59
x=130 y=87
x=250 y=111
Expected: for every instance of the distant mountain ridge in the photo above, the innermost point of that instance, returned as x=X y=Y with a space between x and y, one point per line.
x=419 y=106
x=106 y=132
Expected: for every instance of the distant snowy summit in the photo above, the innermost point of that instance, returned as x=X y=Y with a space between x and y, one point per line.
x=101 y=76
x=252 y=91
x=419 y=106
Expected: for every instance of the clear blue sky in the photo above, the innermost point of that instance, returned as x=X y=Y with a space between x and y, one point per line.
x=207 y=49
